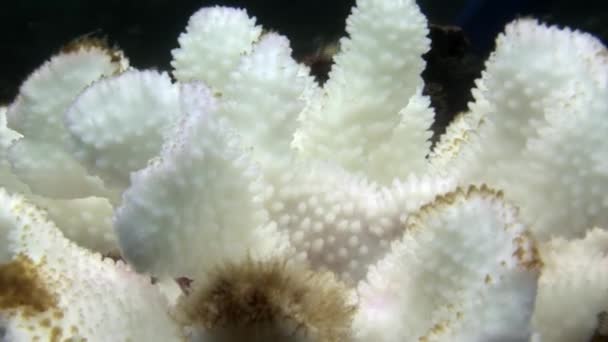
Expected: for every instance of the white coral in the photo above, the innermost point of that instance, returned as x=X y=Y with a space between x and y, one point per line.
x=53 y=289
x=201 y=178
x=574 y=277
x=537 y=127
x=465 y=270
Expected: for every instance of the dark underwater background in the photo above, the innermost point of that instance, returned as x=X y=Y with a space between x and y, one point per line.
x=462 y=32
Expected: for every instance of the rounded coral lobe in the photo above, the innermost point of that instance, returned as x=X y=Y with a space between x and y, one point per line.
x=268 y=301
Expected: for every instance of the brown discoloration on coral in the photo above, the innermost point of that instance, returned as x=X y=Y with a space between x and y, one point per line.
x=536 y=262
x=86 y=42
x=437 y=329
x=413 y=222
x=73 y=330
x=184 y=284
x=114 y=255
x=46 y=323
x=56 y=334
x=270 y=300
x=58 y=314
x=459 y=133
x=523 y=246
x=321 y=59
x=527 y=253
x=22 y=289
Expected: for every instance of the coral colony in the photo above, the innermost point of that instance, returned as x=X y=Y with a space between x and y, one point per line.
x=248 y=203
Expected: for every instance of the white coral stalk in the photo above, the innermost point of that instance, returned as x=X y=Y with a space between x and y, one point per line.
x=336 y=219
x=215 y=36
x=198 y=205
x=537 y=127
x=52 y=289
x=263 y=98
x=118 y=136
x=342 y=222
x=464 y=271
x=38 y=154
x=574 y=277
x=7 y=136
x=371 y=116
x=40 y=158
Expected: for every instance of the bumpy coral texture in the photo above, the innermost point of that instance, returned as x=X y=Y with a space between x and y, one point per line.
x=244 y=199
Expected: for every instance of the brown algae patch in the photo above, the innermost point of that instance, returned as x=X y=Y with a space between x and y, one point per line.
x=270 y=301
x=22 y=289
